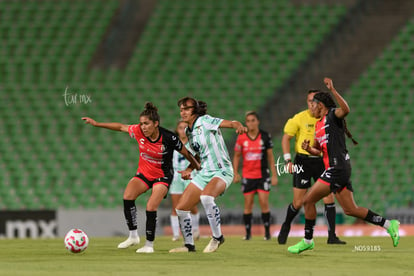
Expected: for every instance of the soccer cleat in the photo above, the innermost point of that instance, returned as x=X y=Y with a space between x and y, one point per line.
x=145 y=249
x=284 y=233
x=214 y=244
x=247 y=237
x=175 y=238
x=196 y=234
x=335 y=240
x=186 y=248
x=301 y=246
x=129 y=242
x=393 y=231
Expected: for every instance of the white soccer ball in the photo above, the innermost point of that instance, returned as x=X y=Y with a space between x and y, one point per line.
x=76 y=241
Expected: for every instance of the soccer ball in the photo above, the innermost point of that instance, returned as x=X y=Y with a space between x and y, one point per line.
x=76 y=241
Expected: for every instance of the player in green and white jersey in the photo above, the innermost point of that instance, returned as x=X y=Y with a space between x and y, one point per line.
x=178 y=186
x=216 y=172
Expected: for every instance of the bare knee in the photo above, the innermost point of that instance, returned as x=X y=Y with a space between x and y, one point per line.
x=298 y=203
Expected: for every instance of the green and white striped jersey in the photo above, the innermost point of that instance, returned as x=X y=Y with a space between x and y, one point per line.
x=206 y=140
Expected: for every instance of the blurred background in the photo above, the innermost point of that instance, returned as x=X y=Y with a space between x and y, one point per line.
x=61 y=60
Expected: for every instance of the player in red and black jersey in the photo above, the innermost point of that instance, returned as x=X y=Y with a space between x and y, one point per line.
x=155 y=170
x=330 y=141
x=256 y=148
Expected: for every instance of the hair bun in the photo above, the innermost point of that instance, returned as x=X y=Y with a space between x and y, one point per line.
x=150 y=107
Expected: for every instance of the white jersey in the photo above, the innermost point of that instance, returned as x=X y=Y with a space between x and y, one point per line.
x=180 y=163
x=206 y=140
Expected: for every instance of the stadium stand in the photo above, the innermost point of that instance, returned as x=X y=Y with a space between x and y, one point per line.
x=232 y=54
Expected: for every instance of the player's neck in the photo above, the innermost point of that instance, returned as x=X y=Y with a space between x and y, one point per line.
x=155 y=134
x=253 y=133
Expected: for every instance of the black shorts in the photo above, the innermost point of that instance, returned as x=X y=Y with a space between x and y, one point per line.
x=337 y=179
x=252 y=186
x=166 y=181
x=306 y=168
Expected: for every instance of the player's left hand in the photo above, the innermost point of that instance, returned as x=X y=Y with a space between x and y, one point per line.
x=329 y=83
x=186 y=174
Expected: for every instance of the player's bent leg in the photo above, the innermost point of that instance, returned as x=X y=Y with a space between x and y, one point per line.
x=346 y=199
x=134 y=188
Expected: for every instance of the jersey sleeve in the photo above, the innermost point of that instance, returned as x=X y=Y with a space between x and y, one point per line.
x=332 y=117
x=176 y=142
x=291 y=126
x=211 y=123
x=134 y=131
x=267 y=139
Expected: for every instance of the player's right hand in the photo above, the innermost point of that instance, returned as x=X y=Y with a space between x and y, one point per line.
x=305 y=144
x=89 y=121
x=185 y=174
x=236 y=178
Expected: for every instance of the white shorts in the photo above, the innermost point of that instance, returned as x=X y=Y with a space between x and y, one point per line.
x=178 y=186
x=203 y=178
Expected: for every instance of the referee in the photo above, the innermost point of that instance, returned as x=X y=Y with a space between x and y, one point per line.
x=302 y=126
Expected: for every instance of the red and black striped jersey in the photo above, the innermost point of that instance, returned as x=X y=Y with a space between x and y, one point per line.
x=330 y=134
x=255 y=162
x=155 y=157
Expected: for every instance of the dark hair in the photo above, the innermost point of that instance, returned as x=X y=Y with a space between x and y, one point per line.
x=325 y=98
x=151 y=111
x=200 y=107
x=328 y=101
x=252 y=112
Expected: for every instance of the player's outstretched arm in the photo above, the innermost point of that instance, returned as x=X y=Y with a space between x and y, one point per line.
x=343 y=109
x=240 y=129
x=111 y=126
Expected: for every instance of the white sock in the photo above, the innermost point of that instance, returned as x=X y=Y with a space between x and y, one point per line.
x=213 y=214
x=195 y=219
x=149 y=243
x=387 y=224
x=133 y=234
x=186 y=227
x=308 y=241
x=175 y=225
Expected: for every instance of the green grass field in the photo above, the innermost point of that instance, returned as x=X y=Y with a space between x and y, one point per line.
x=235 y=257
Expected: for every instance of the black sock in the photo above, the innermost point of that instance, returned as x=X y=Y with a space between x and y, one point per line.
x=290 y=214
x=309 y=224
x=374 y=218
x=330 y=215
x=247 y=218
x=130 y=213
x=150 y=225
x=266 y=221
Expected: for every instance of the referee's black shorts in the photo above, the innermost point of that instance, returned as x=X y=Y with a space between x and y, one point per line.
x=306 y=168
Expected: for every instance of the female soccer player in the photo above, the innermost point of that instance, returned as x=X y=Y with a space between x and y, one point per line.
x=156 y=146
x=302 y=126
x=213 y=179
x=178 y=186
x=330 y=141
x=256 y=148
